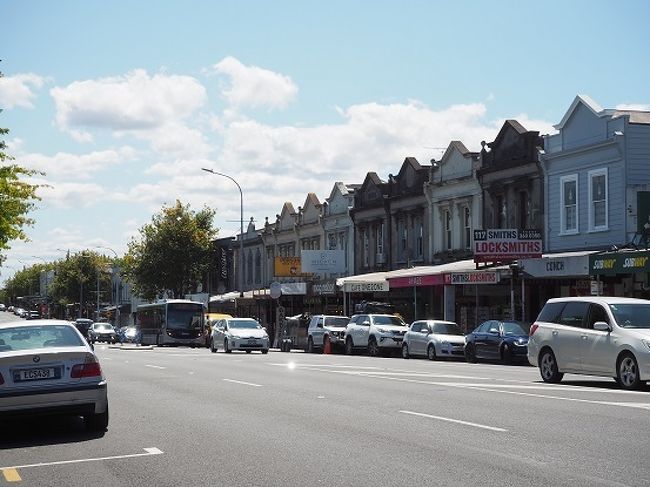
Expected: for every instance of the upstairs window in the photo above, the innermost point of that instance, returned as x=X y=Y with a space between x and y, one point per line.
x=569 y=204
x=448 y=235
x=598 y=207
x=467 y=227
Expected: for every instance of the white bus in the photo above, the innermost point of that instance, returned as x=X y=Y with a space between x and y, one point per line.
x=171 y=322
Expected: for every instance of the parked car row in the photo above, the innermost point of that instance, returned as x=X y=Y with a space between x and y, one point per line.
x=21 y=312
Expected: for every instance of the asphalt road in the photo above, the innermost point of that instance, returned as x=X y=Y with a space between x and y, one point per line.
x=183 y=416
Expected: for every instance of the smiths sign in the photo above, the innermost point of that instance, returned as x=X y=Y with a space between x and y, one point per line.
x=504 y=245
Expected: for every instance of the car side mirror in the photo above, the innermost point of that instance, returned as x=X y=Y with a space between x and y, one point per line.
x=493 y=331
x=602 y=326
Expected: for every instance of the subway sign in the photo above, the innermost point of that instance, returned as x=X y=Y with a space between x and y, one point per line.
x=620 y=262
x=505 y=245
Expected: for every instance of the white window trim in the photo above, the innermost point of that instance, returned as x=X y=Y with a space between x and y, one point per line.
x=590 y=175
x=563 y=230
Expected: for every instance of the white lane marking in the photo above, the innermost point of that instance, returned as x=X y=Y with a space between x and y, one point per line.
x=149 y=452
x=328 y=366
x=458 y=421
x=242 y=382
x=155 y=366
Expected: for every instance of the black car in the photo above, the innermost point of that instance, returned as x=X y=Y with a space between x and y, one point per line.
x=505 y=341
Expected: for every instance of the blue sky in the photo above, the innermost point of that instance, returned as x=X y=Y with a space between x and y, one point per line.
x=121 y=103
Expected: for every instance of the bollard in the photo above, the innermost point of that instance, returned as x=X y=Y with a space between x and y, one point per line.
x=327 y=348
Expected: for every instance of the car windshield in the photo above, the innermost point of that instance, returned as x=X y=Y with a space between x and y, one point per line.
x=389 y=320
x=337 y=321
x=510 y=328
x=631 y=315
x=244 y=324
x=104 y=327
x=31 y=337
x=447 y=329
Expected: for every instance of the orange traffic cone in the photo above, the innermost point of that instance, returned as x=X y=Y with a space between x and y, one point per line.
x=327 y=348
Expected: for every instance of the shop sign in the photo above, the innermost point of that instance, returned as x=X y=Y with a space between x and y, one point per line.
x=288 y=267
x=620 y=263
x=504 y=245
x=483 y=277
x=366 y=287
x=576 y=265
x=293 y=288
x=324 y=287
x=323 y=261
x=417 y=281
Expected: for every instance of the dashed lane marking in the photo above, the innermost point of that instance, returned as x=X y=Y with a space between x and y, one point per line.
x=155 y=367
x=457 y=421
x=242 y=382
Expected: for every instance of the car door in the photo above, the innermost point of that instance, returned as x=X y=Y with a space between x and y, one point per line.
x=492 y=340
x=362 y=331
x=317 y=331
x=568 y=336
x=415 y=337
x=598 y=347
x=480 y=339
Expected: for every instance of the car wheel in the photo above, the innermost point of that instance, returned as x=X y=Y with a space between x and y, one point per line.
x=226 y=348
x=349 y=346
x=310 y=345
x=248 y=351
x=548 y=367
x=405 y=351
x=431 y=352
x=265 y=351
x=506 y=354
x=470 y=356
x=373 y=349
x=212 y=347
x=97 y=422
x=627 y=371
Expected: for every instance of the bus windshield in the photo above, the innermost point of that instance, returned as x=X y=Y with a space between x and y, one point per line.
x=184 y=316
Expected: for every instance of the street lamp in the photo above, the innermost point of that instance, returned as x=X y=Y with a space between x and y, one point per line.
x=116 y=294
x=241 y=230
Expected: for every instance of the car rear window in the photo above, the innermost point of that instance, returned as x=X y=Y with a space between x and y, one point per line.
x=574 y=314
x=32 y=337
x=551 y=312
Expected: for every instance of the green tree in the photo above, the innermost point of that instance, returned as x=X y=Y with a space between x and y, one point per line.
x=16 y=197
x=172 y=252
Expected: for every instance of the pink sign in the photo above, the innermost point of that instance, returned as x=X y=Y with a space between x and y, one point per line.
x=415 y=281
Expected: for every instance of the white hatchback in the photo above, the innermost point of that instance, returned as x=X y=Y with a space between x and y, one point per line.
x=434 y=339
x=599 y=335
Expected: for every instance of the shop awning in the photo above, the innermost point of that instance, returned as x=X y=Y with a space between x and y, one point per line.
x=620 y=262
x=371 y=282
x=562 y=264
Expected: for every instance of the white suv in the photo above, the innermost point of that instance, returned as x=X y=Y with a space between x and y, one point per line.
x=324 y=328
x=374 y=333
x=600 y=335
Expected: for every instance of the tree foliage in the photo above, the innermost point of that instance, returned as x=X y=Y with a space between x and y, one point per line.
x=17 y=197
x=76 y=278
x=172 y=252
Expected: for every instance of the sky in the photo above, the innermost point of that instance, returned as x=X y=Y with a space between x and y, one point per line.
x=121 y=103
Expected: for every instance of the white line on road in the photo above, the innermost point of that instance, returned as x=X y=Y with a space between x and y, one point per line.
x=242 y=383
x=149 y=452
x=155 y=366
x=458 y=421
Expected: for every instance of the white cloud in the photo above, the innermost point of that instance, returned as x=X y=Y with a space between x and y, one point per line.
x=135 y=101
x=255 y=87
x=69 y=195
x=18 y=90
x=634 y=106
x=65 y=166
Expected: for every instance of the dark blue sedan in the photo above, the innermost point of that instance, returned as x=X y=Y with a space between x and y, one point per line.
x=505 y=341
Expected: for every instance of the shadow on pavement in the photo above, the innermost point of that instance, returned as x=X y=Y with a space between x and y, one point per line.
x=46 y=430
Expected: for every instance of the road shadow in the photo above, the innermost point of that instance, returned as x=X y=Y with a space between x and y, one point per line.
x=597 y=384
x=46 y=430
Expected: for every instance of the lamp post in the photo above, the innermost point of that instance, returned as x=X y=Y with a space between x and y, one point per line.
x=114 y=291
x=241 y=229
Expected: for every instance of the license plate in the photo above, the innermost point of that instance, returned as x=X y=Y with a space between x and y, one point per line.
x=35 y=374
x=251 y=341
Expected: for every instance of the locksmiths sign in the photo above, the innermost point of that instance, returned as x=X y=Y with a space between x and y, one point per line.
x=506 y=245
x=628 y=262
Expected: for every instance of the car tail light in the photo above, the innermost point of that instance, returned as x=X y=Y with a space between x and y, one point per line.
x=533 y=328
x=91 y=369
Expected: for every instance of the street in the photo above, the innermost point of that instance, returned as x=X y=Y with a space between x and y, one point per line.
x=183 y=416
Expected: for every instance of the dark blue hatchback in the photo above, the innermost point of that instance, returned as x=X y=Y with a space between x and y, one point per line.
x=506 y=341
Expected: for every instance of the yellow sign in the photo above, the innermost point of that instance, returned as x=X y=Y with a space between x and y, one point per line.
x=287 y=267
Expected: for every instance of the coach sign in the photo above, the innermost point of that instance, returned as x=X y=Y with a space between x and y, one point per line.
x=503 y=245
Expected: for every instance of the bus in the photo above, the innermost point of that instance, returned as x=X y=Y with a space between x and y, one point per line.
x=171 y=322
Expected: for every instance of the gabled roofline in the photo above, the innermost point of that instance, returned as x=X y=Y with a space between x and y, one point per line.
x=585 y=100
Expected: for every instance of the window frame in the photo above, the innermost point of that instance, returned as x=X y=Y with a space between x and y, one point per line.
x=563 y=224
x=591 y=175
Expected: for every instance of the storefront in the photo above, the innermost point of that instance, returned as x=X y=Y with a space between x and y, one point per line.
x=622 y=273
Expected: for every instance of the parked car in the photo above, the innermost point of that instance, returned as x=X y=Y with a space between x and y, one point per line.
x=506 y=341
x=375 y=333
x=434 y=339
x=10 y=309
x=3 y=307
x=595 y=335
x=102 y=332
x=20 y=312
x=326 y=328
x=293 y=332
x=48 y=368
x=239 y=334
x=33 y=315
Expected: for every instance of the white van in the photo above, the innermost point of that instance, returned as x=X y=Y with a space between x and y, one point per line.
x=598 y=335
